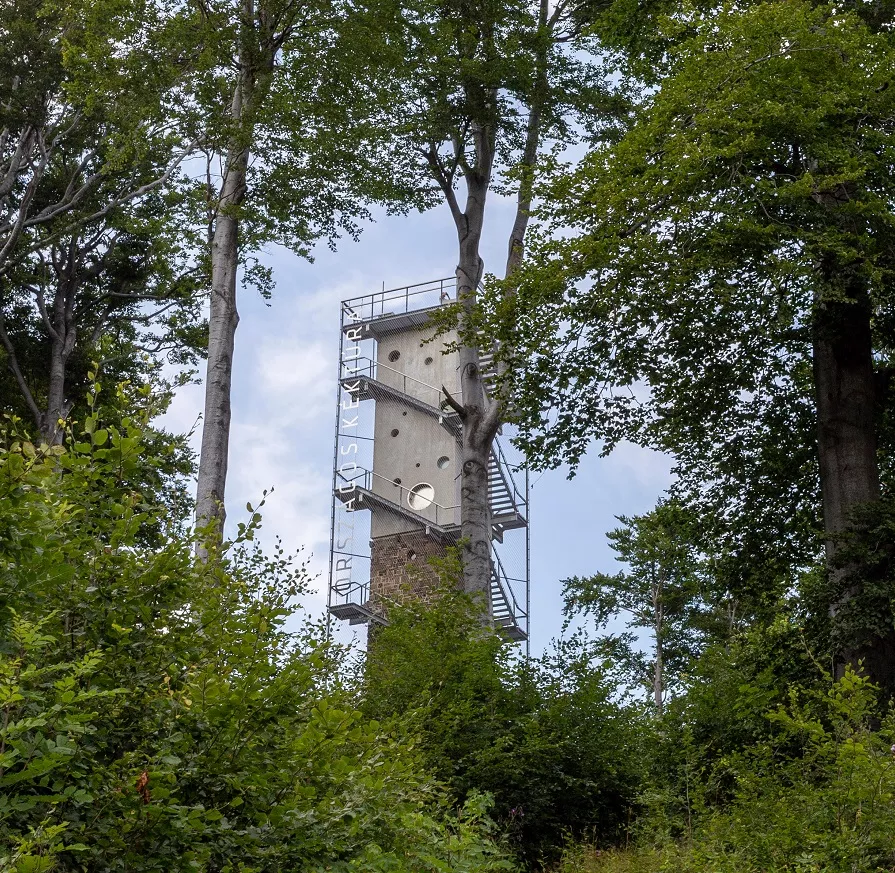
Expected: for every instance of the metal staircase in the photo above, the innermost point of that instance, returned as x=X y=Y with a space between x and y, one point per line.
x=506 y=613
x=508 y=506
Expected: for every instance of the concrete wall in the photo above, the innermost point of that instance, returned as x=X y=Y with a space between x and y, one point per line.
x=408 y=443
x=420 y=369
x=411 y=456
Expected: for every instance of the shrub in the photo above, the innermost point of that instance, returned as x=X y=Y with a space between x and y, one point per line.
x=547 y=738
x=158 y=713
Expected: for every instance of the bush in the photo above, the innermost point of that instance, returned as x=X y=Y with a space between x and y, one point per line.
x=158 y=713
x=819 y=795
x=547 y=738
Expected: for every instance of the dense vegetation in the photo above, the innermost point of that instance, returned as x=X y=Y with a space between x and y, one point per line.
x=158 y=715
x=711 y=278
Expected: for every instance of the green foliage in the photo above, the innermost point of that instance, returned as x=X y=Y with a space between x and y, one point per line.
x=157 y=713
x=97 y=257
x=752 y=192
x=667 y=591
x=546 y=738
x=816 y=795
x=308 y=91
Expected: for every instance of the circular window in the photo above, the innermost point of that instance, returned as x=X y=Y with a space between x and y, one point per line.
x=404 y=412
x=421 y=496
x=429 y=360
x=393 y=356
x=443 y=462
x=417 y=464
x=397 y=480
x=395 y=431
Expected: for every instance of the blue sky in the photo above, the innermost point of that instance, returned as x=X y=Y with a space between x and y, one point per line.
x=284 y=394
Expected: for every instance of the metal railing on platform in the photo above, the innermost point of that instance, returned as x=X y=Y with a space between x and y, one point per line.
x=395 y=301
x=367 y=368
x=415 y=501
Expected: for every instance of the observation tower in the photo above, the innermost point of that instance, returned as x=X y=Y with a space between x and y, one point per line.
x=396 y=465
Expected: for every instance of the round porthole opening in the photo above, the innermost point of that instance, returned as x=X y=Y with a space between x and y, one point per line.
x=429 y=360
x=421 y=496
x=443 y=462
x=397 y=480
x=395 y=431
x=393 y=356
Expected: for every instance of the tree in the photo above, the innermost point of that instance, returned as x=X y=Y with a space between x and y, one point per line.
x=282 y=107
x=122 y=292
x=87 y=206
x=84 y=126
x=664 y=592
x=548 y=738
x=479 y=89
x=730 y=286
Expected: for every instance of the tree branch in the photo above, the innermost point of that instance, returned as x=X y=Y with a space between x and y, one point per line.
x=445 y=182
x=13 y=362
x=454 y=404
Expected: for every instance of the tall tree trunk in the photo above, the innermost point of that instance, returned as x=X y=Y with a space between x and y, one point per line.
x=480 y=415
x=516 y=246
x=57 y=409
x=63 y=334
x=658 y=584
x=846 y=429
x=223 y=319
x=658 y=679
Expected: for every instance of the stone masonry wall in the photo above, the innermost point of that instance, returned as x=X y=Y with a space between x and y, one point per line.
x=399 y=567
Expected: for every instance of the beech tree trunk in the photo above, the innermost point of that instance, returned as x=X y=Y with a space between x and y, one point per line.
x=659 y=631
x=480 y=414
x=63 y=335
x=846 y=430
x=57 y=407
x=59 y=322
x=658 y=685
x=223 y=320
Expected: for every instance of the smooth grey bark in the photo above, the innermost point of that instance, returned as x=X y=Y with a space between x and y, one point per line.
x=222 y=323
x=658 y=679
x=262 y=34
x=482 y=415
x=66 y=263
x=63 y=335
x=516 y=246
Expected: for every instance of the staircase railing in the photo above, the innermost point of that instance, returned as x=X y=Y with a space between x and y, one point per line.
x=502 y=581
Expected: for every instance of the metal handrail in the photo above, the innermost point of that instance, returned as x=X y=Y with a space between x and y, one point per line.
x=372 y=305
x=502 y=462
x=444 y=515
x=370 y=371
x=349 y=589
x=502 y=574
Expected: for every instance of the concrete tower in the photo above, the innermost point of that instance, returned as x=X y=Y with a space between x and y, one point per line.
x=396 y=474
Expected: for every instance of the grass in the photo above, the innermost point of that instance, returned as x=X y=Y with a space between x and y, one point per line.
x=587 y=859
